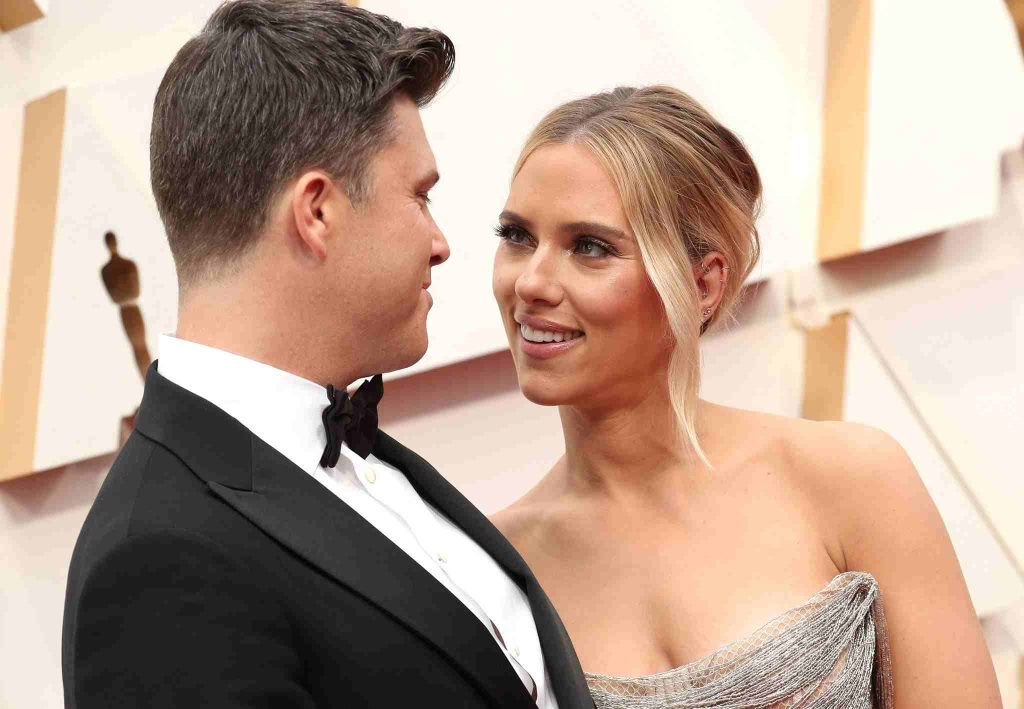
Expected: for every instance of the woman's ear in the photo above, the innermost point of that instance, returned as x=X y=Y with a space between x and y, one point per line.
x=711 y=276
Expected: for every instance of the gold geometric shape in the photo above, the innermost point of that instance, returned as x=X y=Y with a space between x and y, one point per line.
x=844 y=129
x=1016 y=8
x=34 y=222
x=1020 y=681
x=825 y=370
x=15 y=13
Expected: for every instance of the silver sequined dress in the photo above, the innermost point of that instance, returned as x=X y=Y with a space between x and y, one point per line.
x=830 y=653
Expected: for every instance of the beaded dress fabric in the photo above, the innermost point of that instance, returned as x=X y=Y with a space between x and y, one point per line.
x=830 y=653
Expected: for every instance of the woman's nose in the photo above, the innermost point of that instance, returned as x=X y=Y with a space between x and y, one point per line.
x=538 y=283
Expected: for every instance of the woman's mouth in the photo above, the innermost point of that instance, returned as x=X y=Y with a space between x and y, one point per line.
x=544 y=344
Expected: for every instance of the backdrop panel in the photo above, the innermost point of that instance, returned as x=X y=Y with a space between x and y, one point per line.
x=756 y=67
x=959 y=356
x=759 y=68
x=873 y=396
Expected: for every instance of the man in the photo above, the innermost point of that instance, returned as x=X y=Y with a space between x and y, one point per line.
x=258 y=543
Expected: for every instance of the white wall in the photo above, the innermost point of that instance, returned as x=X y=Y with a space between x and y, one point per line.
x=39 y=521
x=106 y=139
x=78 y=44
x=457 y=416
x=759 y=68
x=944 y=100
x=931 y=161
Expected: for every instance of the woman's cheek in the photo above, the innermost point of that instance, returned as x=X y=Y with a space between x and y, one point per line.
x=502 y=280
x=610 y=305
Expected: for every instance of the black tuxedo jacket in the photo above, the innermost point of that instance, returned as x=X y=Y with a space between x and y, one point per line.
x=213 y=572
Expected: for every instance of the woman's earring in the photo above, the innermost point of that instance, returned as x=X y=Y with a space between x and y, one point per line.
x=707 y=313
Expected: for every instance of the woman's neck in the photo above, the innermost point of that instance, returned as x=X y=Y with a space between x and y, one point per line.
x=627 y=450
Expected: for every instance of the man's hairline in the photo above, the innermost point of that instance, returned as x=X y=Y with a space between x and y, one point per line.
x=357 y=200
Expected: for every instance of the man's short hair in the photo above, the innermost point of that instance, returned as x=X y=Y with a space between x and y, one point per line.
x=268 y=90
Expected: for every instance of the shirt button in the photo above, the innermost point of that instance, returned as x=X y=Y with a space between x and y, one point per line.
x=515 y=652
x=442 y=559
x=371 y=476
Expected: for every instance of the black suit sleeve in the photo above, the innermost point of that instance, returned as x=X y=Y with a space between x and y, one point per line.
x=167 y=619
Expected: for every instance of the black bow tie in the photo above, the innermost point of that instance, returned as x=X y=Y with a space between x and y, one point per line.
x=351 y=419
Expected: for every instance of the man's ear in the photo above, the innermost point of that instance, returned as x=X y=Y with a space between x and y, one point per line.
x=315 y=211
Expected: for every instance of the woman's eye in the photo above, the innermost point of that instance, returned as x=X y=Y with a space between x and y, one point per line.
x=592 y=248
x=511 y=234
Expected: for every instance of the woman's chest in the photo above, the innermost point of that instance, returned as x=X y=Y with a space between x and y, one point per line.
x=643 y=597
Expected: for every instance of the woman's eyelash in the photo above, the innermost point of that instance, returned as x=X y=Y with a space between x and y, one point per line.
x=508 y=232
x=592 y=241
x=516 y=235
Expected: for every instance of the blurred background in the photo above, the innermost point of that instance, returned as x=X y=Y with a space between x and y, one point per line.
x=891 y=290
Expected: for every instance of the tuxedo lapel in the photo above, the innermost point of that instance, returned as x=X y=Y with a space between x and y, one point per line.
x=290 y=506
x=567 y=679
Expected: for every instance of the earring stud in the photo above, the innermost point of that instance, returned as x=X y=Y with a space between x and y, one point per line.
x=707 y=313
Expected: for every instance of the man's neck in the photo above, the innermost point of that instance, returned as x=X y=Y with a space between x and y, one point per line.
x=249 y=323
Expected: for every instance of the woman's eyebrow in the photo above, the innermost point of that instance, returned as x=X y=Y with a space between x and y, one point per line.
x=596 y=229
x=510 y=216
x=592 y=228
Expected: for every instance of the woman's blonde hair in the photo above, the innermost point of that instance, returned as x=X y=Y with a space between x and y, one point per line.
x=688 y=187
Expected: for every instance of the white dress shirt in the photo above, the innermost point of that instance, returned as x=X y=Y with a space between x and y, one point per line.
x=285 y=411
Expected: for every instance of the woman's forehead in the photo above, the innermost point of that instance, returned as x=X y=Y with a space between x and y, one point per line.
x=565 y=184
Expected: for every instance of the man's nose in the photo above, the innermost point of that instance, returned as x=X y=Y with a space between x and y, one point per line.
x=440 y=251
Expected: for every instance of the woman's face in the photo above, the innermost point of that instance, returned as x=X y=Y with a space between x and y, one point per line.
x=584 y=322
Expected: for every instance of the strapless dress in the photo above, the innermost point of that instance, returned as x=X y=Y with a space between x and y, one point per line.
x=832 y=652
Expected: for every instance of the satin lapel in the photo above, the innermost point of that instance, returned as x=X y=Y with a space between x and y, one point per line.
x=567 y=679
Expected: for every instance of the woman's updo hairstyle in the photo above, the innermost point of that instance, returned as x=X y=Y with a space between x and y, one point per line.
x=688 y=187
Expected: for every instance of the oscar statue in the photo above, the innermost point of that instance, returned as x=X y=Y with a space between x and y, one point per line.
x=121 y=278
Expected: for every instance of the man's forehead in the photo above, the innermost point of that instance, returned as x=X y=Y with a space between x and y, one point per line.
x=409 y=144
x=406 y=122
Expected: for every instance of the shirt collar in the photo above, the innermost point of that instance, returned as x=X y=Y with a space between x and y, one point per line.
x=277 y=406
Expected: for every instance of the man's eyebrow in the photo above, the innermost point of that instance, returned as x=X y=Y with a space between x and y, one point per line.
x=428 y=181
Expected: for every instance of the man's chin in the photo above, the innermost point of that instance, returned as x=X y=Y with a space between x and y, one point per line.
x=407 y=353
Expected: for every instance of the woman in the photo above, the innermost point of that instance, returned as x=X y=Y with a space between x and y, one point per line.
x=703 y=556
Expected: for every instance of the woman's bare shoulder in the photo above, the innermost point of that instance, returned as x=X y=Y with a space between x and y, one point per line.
x=839 y=467
x=821 y=456
x=874 y=503
x=521 y=521
x=865 y=484
x=838 y=456
x=514 y=522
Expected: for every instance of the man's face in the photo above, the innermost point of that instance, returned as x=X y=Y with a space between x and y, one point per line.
x=389 y=244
